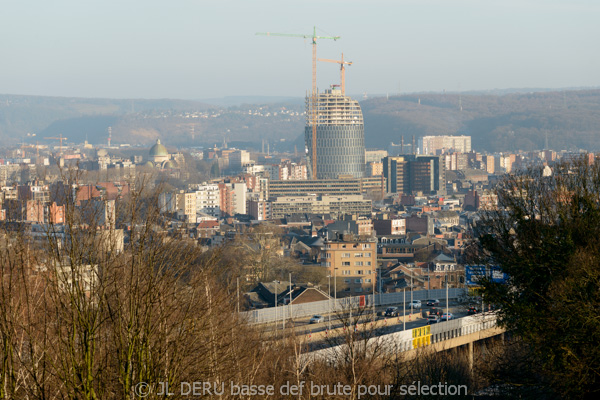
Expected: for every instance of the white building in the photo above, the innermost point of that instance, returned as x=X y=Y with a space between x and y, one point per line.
x=208 y=200
x=441 y=144
x=238 y=159
x=238 y=197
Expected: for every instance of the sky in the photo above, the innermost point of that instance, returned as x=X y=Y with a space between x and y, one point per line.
x=198 y=49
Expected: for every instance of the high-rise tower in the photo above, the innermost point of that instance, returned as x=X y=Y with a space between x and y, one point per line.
x=340 y=135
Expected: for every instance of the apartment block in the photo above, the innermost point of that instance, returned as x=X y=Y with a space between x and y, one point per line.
x=208 y=200
x=352 y=264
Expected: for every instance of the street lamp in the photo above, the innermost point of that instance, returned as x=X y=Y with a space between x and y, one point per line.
x=374 y=282
x=447 y=315
x=404 y=309
x=329 y=300
x=411 y=295
x=335 y=288
x=275 y=298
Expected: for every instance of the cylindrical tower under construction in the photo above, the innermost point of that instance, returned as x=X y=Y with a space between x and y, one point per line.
x=340 y=135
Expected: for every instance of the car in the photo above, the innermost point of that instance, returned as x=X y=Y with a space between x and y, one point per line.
x=392 y=312
x=435 y=311
x=472 y=310
x=432 y=319
x=433 y=302
x=415 y=304
x=446 y=317
x=316 y=319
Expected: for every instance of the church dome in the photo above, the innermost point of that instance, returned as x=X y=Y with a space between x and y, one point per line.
x=169 y=164
x=158 y=150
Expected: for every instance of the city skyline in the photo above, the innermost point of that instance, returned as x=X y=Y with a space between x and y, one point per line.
x=205 y=49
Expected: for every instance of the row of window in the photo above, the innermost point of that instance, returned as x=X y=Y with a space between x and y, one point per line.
x=364 y=246
x=348 y=255
x=357 y=280
x=358 y=272
x=357 y=263
x=357 y=290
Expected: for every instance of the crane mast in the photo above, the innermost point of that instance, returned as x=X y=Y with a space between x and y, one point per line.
x=313 y=103
x=60 y=138
x=342 y=70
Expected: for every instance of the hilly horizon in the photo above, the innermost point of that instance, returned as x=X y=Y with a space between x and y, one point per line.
x=519 y=120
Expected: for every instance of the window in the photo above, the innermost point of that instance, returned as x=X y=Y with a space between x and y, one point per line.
x=367 y=254
x=368 y=263
x=358 y=254
x=346 y=280
x=359 y=272
x=328 y=264
x=358 y=281
x=367 y=280
x=346 y=272
x=358 y=263
x=327 y=255
x=345 y=255
x=358 y=289
x=347 y=289
x=346 y=263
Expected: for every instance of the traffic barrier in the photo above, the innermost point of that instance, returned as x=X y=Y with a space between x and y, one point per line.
x=267 y=315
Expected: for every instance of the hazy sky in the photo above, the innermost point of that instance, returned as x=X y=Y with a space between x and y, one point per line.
x=196 y=49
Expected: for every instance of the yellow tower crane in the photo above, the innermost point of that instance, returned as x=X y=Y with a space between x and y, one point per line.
x=59 y=138
x=313 y=104
x=342 y=70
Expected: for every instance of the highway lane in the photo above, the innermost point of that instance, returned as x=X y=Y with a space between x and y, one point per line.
x=323 y=334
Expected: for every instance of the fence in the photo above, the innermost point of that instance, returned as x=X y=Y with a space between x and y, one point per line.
x=292 y=311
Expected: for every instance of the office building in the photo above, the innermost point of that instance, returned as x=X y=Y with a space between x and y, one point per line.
x=336 y=206
x=412 y=174
x=340 y=137
x=332 y=187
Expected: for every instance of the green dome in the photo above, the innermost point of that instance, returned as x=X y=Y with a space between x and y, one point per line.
x=158 y=150
x=148 y=164
x=170 y=164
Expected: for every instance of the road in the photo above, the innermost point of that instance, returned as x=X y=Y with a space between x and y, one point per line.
x=321 y=334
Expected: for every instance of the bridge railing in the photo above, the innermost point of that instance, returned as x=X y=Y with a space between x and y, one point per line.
x=409 y=340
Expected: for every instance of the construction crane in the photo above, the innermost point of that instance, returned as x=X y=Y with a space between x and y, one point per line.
x=31 y=146
x=313 y=107
x=342 y=70
x=59 y=138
